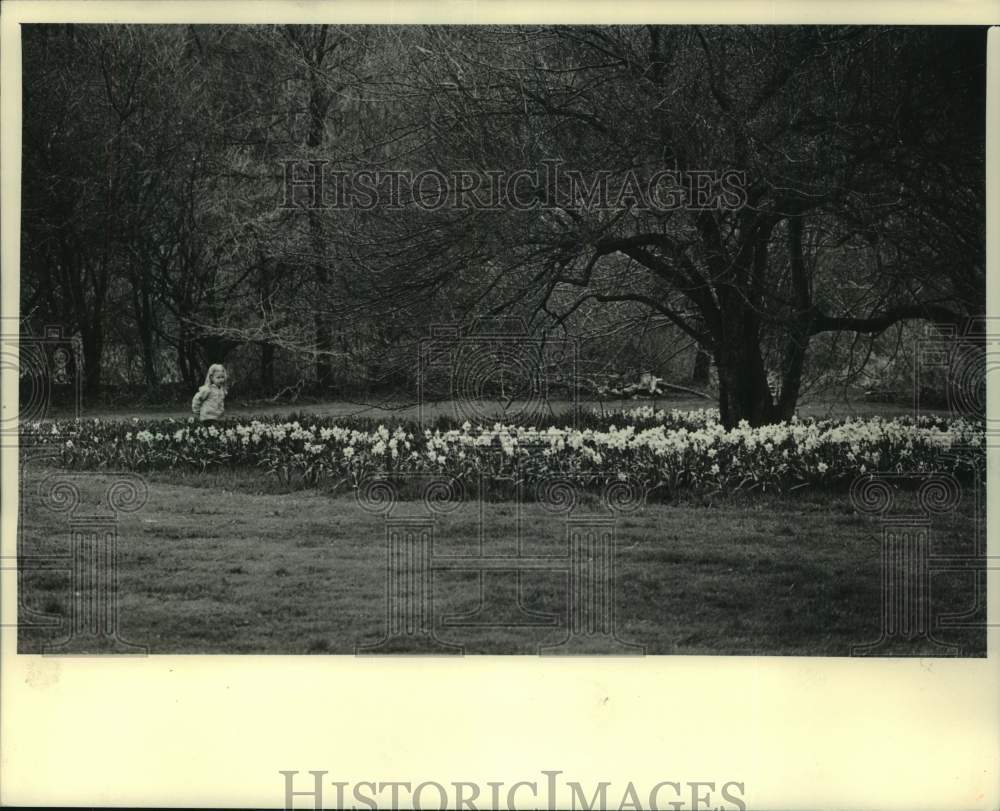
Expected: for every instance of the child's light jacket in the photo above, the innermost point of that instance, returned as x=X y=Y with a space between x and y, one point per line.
x=209 y=403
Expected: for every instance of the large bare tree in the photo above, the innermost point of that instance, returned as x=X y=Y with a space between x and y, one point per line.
x=862 y=153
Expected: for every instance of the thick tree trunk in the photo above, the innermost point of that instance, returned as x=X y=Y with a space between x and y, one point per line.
x=92 y=340
x=799 y=328
x=702 y=365
x=324 y=339
x=743 y=395
x=791 y=379
x=267 y=367
x=144 y=312
x=734 y=318
x=318 y=103
x=743 y=389
x=266 y=347
x=187 y=360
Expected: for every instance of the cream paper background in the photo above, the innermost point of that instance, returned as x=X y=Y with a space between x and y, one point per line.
x=215 y=730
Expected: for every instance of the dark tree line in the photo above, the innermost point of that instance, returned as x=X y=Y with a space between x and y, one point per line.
x=153 y=169
x=863 y=154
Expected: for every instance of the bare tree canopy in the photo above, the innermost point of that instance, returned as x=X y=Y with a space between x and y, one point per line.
x=754 y=189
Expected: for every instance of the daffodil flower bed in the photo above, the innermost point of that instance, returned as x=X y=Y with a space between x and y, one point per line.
x=656 y=449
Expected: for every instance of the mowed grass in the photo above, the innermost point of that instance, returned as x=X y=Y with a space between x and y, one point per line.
x=228 y=563
x=476 y=410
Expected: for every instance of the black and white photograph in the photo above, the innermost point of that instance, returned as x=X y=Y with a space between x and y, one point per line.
x=623 y=340
x=420 y=405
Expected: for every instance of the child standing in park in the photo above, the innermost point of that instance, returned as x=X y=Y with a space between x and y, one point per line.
x=210 y=401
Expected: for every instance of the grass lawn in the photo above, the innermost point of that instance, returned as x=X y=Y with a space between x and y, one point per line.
x=379 y=408
x=227 y=563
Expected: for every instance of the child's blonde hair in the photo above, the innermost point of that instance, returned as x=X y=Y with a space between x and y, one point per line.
x=217 y=367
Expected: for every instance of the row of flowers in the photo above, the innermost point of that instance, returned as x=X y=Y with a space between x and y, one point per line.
x=655 y=448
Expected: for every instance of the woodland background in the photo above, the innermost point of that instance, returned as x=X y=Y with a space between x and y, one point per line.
x=153 y=230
